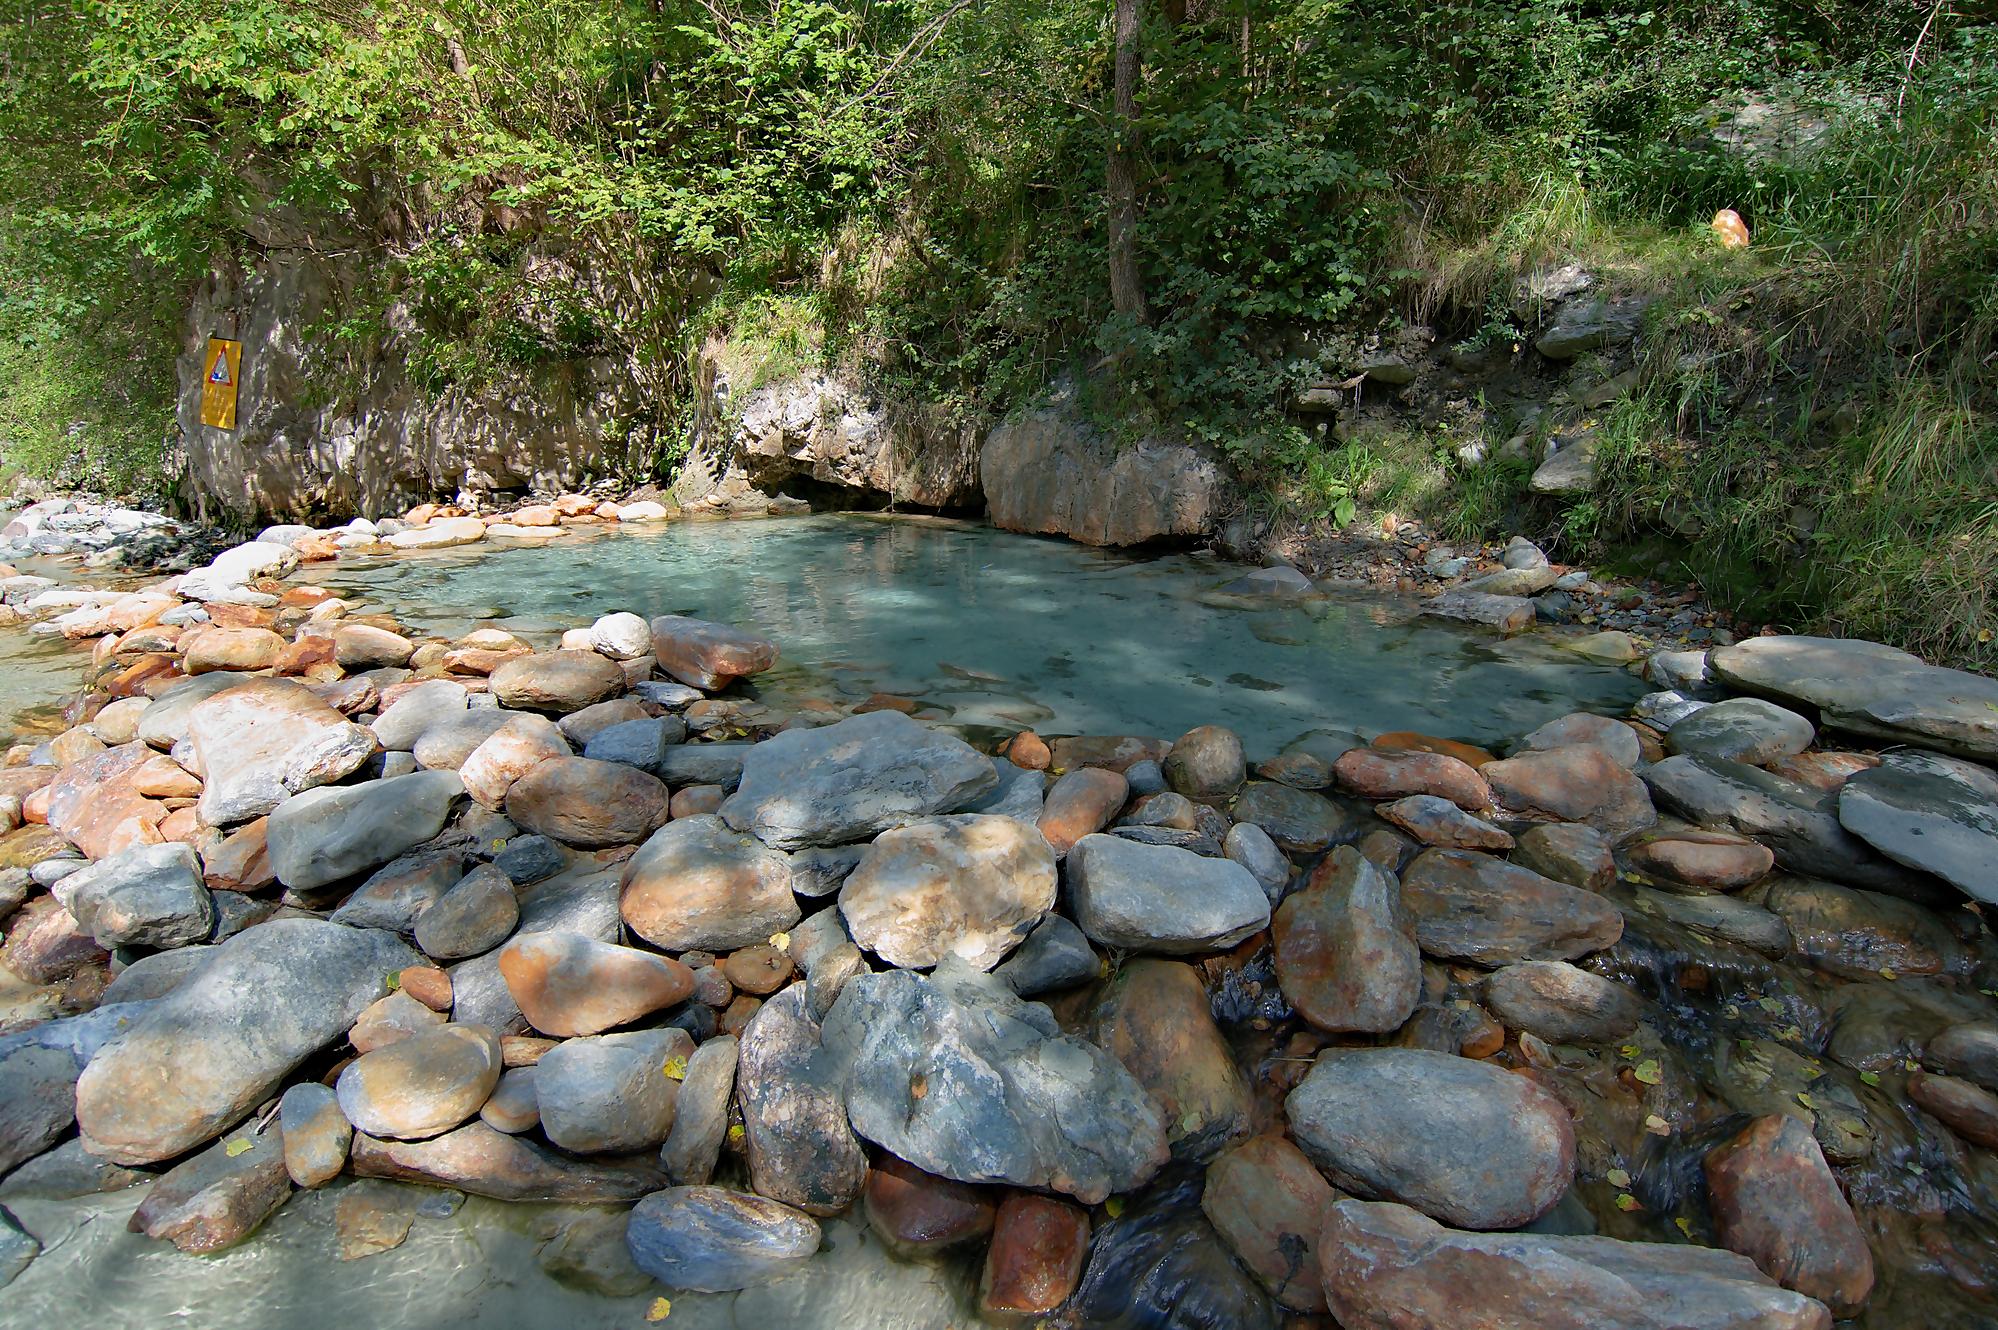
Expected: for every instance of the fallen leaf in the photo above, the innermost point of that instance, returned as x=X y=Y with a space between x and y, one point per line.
x=242 y=1145
x=1648 y=1072
x=781 y=941
x=1618 y=1178
x=1657 y=1126
x=1114 y=1206
x=1626 y=1202
x=1684 y=1225
x=660 y=1309
x=1870 y=1077
x=675 y=1068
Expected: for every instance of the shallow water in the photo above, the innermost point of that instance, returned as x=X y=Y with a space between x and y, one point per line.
x=36 y=674
x=1009 y=631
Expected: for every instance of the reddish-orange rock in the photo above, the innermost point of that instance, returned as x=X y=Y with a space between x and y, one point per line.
x=1268 y=1203
x=242 y=861
x=1414 y=741
x=915 y=1213
x=230 y=649
x=1082 y=802
x=1733 y=232
x=1776 y=1202
x=1035 y=1261
x=1029 y=750
x=428 y=985
x=567 y=984
x=761 y=969
x=96 y=805
x=1381 y=773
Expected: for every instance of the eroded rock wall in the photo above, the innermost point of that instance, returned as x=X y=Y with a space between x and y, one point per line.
x=326 y=429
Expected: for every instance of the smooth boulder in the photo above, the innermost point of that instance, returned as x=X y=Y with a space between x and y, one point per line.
x=971 y=886
x=711 y=1240
x=1161 y=898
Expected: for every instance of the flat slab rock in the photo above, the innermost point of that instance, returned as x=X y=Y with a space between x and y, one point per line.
x=1161 y=898
x=1938 y=814
x=1385 y=1264
x=1470 y=906
x=1871 y=689
x=711 y=1240
x=200 y=1058
x=961 y=1078
x=847 y=781
x=708 y=655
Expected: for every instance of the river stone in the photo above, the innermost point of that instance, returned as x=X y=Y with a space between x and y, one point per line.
x=1562 y=1003
x=709 y=655
x=1969 y=1051
x=581 y=802
x=1580 y=783
x=1742 y=729
x=1034 y=1261
x=146 y=896
x=528 y=859
x=696 y=885
x=710 y=1240
x=1463 y=1141
x=219 y=1197
x=491 y=770
x=1345 y=957
x=403 y=721
x=1711 y=860
x=557 y=682
x=704 y=764
x=1268 y=1203
x=220 y=1044
x=1207 y=763
x=579 y=727
x=1858 y=934
x=396 y=895
x=316 y=1133
x=916 y=1214
x=970 y=886
x=1163 y=899
x=1160 y=1263
x=1379 y=773
x=847 y=781
x=1582 y=727
x=477 y=1159
x=1055 y=955
x=66 y=1173
x=1966 y=1109
x=324 y=835
x=1468 y=906
x=1567 y=852
x=567 y=984
x=447 y=743
x=1798 y=823
x=423 y=1085
x=610 y=1092
x=1508 y=614
x=700 y=1119
x=582 y=899
x=794 y=1117
x=394 y=1018
x=472 y=918
x=1153 y=1017
x=266 y=739
x=621 y=636
x=1870 y=689
x=1300 y=821
x=821 y=871
x=963 y=1079
x=1250 y=846
x=164 y=723
x=1385 y=1264
x=1776 y=1202
x=637 y=743
x=1081 y=803
x=1934 y=813
x=513 y=1107
x=37 y=1102
x=1435 y=821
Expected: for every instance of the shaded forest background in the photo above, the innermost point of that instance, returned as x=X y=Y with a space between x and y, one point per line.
x=921 y=192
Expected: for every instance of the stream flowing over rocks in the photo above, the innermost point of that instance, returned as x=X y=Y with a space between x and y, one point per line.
x=1683 y=1019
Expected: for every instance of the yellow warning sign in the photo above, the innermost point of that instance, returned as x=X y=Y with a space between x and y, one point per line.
x=218 y=383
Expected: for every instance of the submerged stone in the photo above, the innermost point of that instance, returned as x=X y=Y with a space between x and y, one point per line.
x=710 y=1240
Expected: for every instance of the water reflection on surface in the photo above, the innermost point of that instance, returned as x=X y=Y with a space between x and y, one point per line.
x=1009 y=630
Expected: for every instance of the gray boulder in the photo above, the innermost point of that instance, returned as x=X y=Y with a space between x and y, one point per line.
x=848 y=781
x=146 y=896
x=794 y=1116
x=700 y=1118
x=709 y=1240
x=217 y=1046
x=1562 y=1003
x=608 y=1093
x=970 y=886
x=1160 y=898
x=1934 y=813
x=958 y=1076
x=1047 y=472
x=1463 y=1141
x=1742 y=729
x=323 y=835
x=37 y=1102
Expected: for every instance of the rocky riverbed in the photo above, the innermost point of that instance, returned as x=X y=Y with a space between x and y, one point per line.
x=1683 y=1018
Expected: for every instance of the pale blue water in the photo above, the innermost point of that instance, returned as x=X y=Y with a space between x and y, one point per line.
x=1006 y=630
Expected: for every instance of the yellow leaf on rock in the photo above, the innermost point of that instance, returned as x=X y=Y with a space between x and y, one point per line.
x=1114 y=1206
x=675 y=1068
x=1684 y=1225
x=1617 y=1178
x=735 y=1135
x=660 y=1309
x=1625 y=1201
x=240 y=1146
x=1657 y=1126
x=1647 y=1071
x=781 y=941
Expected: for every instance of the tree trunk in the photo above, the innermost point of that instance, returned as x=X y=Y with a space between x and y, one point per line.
x=1127 y=292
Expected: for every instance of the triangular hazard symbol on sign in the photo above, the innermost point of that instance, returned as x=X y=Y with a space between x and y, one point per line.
x=220 y=374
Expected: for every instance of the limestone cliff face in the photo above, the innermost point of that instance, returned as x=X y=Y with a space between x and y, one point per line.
x=323 y=431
